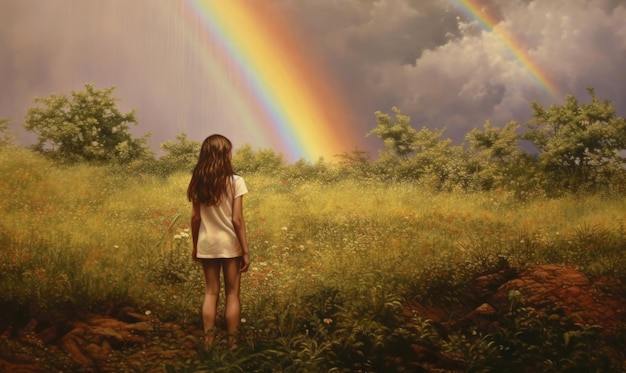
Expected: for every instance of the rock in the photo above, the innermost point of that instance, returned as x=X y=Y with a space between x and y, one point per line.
x=30 y=327
x=140 y=326
x=106 y=332
x=137 y=316
x=481 y=317
x=96 y=352
x=70 y=346
x=6 y=366
x=484 y=309
x=548 y=286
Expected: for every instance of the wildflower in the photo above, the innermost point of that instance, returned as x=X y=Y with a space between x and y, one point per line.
x=148 y=313
x=284 y=229
x=243 y=321
x=116 y=247
x=177 y=237
x=328 y=321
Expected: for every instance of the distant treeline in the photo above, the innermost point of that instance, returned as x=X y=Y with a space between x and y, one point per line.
x=577 y=148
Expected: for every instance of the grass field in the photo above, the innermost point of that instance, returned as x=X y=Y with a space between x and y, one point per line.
x=332 y=263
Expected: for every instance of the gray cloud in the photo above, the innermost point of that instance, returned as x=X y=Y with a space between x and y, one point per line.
x=465 y=76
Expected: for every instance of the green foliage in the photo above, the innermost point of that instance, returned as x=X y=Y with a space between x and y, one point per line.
x=527 y=341
x=495 y=143
x=356 y=163
x=579 y=146
x=87 y=126
x=498 y=160
x=416 y=155
x=579 y=151
x=398 y=136
x=265 y=161
x=6 y=138
x=578 y=143
x=181 y=155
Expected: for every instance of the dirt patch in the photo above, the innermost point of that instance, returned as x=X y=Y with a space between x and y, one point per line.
x=120 y=340
x=123 y=339
x=549 y=292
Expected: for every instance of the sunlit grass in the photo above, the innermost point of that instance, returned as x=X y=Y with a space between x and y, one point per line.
x=327 y=255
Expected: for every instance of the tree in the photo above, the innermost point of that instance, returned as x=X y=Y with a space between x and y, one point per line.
x=578 y=143
x=87 y=126
x=6 y=138
x=180 y=155
x=398 y=136
x=499 y=160
x=436 y=163
x=266 y=161
x=357 y=162
x=497 y=144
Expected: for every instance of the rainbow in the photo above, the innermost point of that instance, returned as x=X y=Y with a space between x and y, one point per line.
x=272 y=82
x=481 y=12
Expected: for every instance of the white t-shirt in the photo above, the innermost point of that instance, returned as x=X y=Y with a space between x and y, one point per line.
x=217 y=237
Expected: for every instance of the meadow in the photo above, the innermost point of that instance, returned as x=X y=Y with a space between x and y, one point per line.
x=334 y=264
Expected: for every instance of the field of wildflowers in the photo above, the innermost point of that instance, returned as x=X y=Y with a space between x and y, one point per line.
x=333 y=264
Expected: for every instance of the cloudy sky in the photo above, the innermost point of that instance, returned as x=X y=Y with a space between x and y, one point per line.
x=429 y=58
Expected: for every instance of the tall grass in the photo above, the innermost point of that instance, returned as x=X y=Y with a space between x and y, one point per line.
x=332 y=263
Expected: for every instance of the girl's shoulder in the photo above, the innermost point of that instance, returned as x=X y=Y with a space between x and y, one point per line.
x=238 y=180
x=239 y=185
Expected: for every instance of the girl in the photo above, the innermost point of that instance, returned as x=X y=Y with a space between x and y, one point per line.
x=219 y=232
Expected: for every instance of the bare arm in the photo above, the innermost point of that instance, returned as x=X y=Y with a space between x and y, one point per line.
x=240 y=230
x=195 y=228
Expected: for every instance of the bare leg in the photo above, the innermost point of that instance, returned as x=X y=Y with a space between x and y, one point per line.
x=211 y=297
x=232 y=280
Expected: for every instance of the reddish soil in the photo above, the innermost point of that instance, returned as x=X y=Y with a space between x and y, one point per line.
x=546 y=290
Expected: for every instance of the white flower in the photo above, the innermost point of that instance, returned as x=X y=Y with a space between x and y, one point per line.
x=177 y=237
x=148 y=313
x=284 y=229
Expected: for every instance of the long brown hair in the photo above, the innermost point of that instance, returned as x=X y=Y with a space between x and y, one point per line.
x=213 y=174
